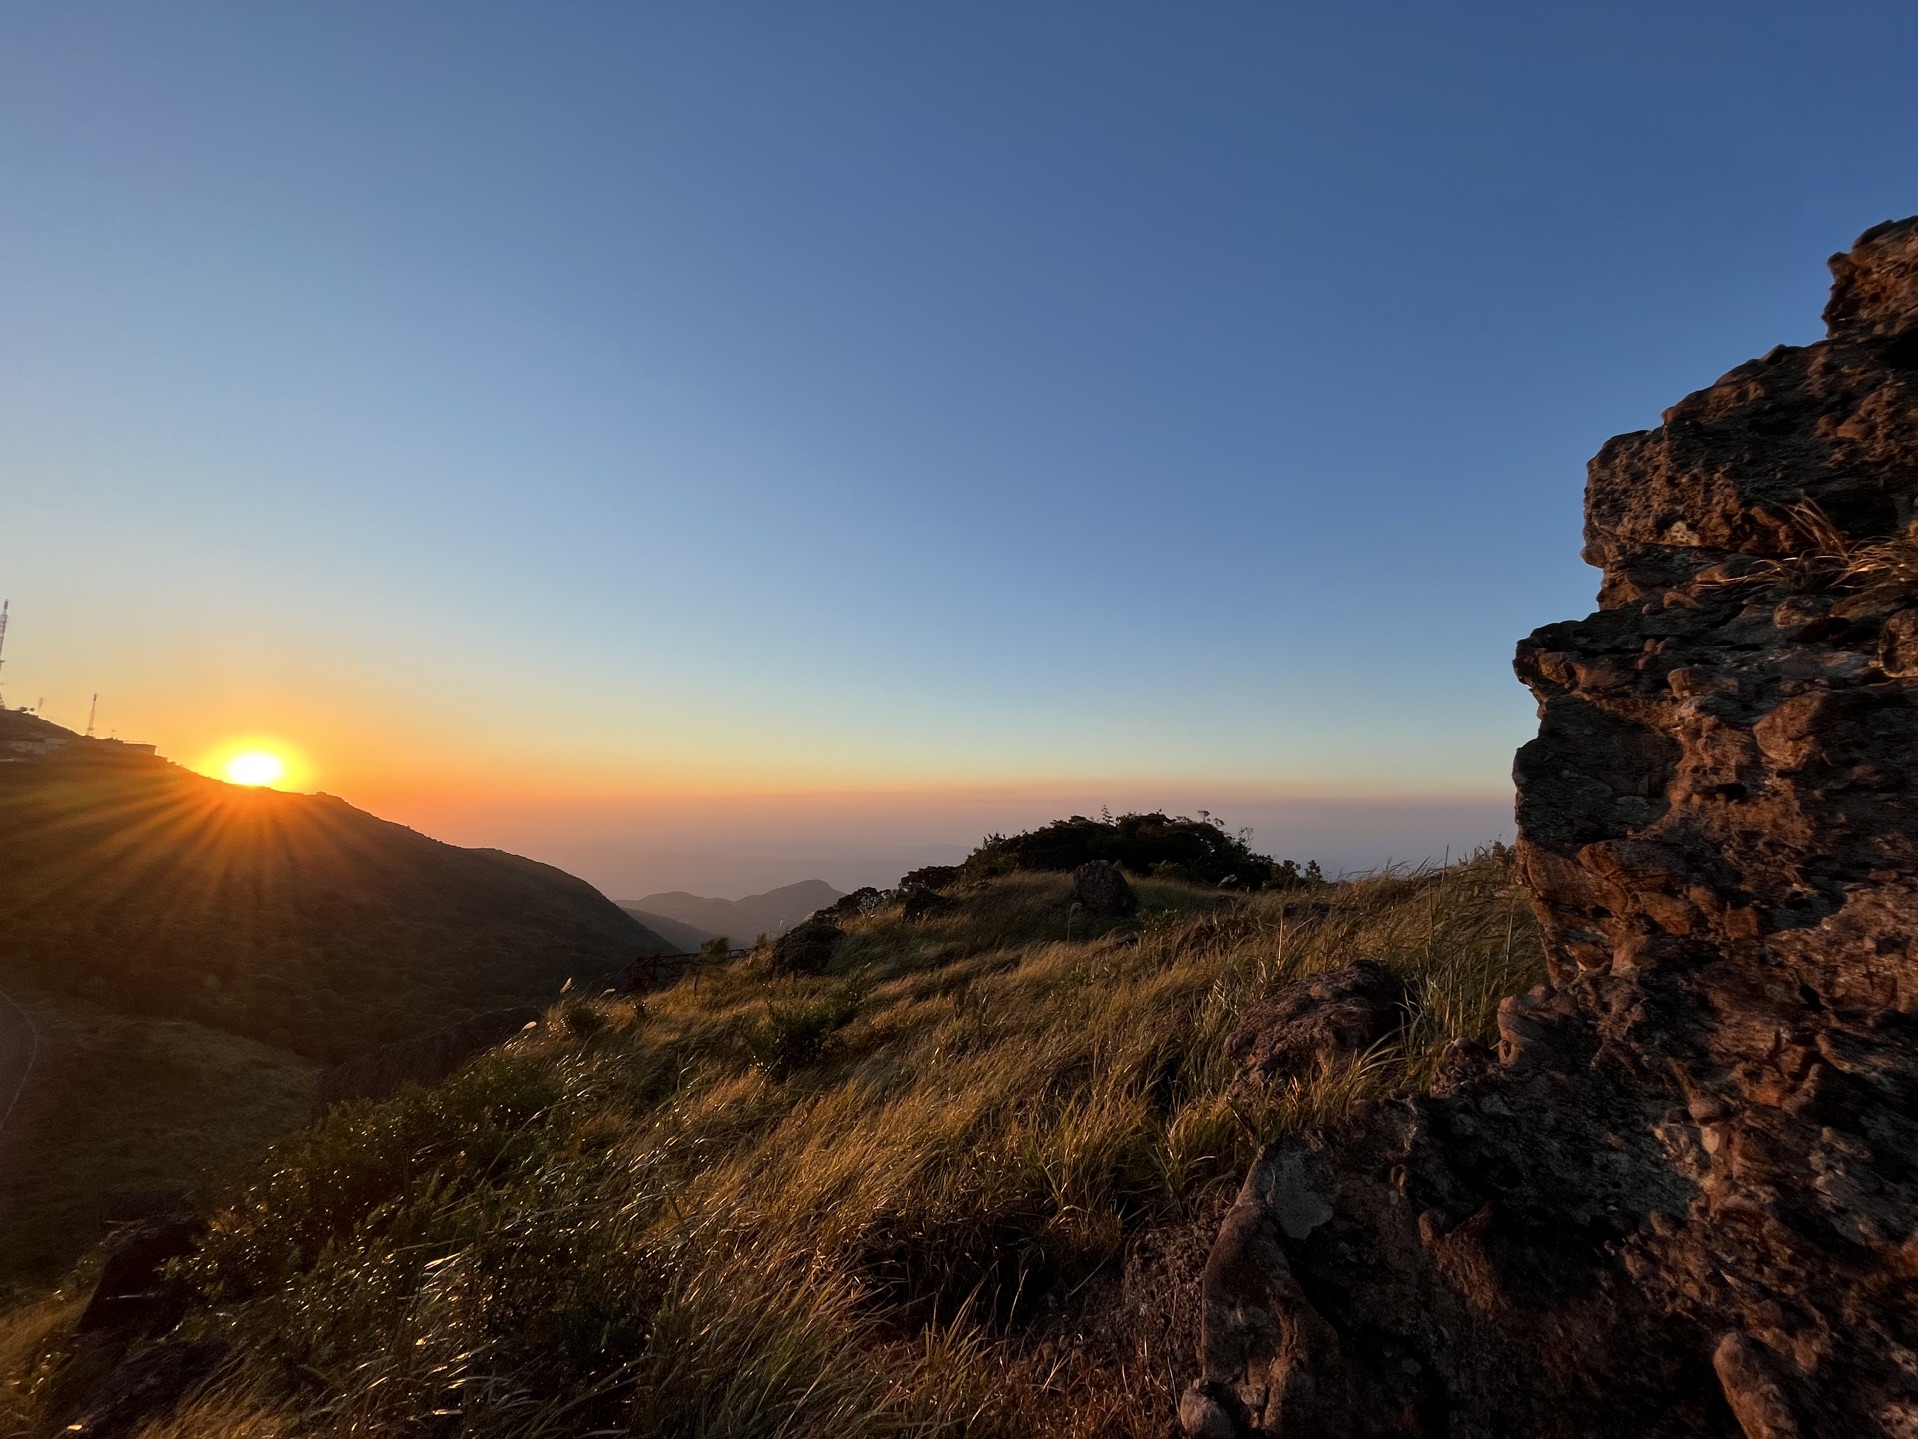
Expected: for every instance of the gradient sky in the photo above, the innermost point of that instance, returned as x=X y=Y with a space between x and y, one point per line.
x=782 y=431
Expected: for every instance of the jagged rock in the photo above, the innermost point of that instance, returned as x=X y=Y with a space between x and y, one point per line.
x=1101 y=887
x=427 y=1060
x=1680 y=1200
x=1315 y=1022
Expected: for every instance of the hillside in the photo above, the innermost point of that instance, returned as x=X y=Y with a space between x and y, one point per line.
x=295 y=920
x=740 y=920
x=959 y=1184
x=186 y=955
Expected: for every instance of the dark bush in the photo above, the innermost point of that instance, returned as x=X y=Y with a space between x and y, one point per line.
x=1198 y=849
x=806 y=948
x=583 y=1019
x=935 y=877
x=851 y=906
x=1289 y=876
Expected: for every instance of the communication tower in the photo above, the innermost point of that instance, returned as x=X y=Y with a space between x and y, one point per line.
x=3 y=637
x=92 y=710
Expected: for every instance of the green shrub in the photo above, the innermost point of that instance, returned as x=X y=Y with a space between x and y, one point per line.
x=1195 y=849
x=582 y=1018
x=1289 y=876
x=798 y=1035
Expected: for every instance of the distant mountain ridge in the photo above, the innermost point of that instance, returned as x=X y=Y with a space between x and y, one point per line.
x=683 y=938
x=740 y=920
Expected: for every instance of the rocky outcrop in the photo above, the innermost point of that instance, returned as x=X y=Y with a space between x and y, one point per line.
x=1316 y=1022
x=1682 y=1197
x=1101 y=887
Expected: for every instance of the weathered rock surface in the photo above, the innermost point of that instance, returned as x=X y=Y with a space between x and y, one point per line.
x=427 y=1060
x=1318 y=1021
x=1102 y=888
x=1681 y=1198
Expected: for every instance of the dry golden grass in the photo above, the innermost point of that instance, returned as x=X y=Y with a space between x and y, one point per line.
x=637 y=1225
x=30 y=1334
x=1826 y=558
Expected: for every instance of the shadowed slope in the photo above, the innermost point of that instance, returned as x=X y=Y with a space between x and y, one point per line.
x=293 y=919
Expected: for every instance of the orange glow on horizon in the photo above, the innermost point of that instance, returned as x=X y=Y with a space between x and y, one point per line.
x=256 y=762
x=255 y=767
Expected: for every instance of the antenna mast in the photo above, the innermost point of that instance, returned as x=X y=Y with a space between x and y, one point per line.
x=3 y=634
x=92 y=710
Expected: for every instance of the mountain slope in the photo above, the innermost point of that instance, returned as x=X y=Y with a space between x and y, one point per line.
x=292 y=919
x=683 y=937
x=185 y=951
x=740 y=920
x=960 y=1187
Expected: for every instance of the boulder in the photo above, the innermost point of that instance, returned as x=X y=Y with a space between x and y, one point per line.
x=1101 y=887
x=1316 y=1022
x=132 y=1292
x=936 y=877
x=852 y=906
x=145 y=1387
x=1682 y=1197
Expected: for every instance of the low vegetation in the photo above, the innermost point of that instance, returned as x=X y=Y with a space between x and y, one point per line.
x=1155 y=844
x=904 y=1197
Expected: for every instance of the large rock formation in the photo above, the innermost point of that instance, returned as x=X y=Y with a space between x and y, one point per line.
x=1680 y=1199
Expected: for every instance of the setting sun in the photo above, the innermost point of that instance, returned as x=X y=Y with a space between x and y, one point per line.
x=255 y=767
x=257 y=761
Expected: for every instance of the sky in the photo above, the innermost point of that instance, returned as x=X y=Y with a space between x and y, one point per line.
x=711 y=445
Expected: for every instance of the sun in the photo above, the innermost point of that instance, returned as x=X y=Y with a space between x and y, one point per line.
x=255 y=767
x=261 y=760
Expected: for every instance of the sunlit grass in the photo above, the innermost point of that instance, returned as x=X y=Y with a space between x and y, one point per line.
x=660 y=1221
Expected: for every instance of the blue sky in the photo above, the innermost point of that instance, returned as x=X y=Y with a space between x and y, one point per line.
x=575 y=404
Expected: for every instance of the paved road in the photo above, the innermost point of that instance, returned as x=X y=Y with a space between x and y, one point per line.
x=19 y=1047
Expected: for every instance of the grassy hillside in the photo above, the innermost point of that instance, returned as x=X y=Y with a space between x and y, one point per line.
x=960 y=1185
x=126 y=1115
x=191 y=952
x=294 y=920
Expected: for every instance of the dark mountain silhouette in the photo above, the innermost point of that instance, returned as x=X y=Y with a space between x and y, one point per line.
x=741 y=920
x=684 y=937
x=293 y=919
x=184 y=951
